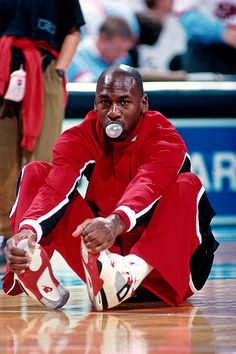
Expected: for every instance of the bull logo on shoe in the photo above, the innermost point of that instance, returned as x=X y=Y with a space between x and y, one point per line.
x=47 y=289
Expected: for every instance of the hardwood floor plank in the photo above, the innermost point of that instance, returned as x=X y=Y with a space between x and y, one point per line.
x=204 y=324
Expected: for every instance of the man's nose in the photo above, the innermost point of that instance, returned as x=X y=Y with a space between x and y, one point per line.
x=114 y=112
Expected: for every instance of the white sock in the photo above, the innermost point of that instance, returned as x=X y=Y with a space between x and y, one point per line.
x=139 y=268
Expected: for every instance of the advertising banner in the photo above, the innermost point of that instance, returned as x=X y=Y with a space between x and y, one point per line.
x=212 y=147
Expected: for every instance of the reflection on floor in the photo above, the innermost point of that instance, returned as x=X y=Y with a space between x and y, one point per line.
x=204 y=324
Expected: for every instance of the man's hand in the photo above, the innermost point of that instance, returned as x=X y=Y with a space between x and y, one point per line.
x=100 y=233
x=17 y=259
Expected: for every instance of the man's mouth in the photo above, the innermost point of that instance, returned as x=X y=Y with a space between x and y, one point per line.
x=114 y=130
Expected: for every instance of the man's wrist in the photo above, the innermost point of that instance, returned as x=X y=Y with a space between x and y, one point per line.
x=118 y=223
x=60 y=72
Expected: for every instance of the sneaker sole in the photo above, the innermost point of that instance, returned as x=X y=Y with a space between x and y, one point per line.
x=51 y=305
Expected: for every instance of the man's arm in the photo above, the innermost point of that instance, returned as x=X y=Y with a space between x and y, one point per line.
x=68 y=50
x=73 y=153
x=161 y=158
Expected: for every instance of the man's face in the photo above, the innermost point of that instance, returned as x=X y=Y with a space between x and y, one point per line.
x=119 y=100
x=166 y=6
x=112 y=49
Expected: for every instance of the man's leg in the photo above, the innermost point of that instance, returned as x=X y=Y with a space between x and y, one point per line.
x=30 y=180
x=37 y=280
x=54 y=111
x=64 y=243
x=10 y=162
x=160 y=260
x=179 y=224
x=60 y=239
x=10 y=139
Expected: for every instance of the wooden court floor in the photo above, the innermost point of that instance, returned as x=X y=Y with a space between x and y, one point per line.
x=204 y=324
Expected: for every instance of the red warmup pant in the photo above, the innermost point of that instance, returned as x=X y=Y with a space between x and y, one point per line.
x=166 y=242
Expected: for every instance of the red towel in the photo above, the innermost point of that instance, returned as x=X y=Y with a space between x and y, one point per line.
x=32 y=104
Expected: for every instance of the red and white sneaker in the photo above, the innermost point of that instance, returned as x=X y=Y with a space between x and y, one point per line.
x=108 y=277
x=39 y=282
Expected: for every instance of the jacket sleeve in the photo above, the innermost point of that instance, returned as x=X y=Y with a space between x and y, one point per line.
x=70 y=160
x=160 y=159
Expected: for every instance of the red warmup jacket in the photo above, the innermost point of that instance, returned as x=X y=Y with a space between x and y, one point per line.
x=128 y=177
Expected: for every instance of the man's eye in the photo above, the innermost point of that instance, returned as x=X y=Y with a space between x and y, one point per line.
x=105 y=103
x=124 y=102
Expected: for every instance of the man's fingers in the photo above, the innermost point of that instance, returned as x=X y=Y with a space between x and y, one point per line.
x=17 y=255
x=18 y=268
x=14 y=251
x=18 y=264
x=25 y=238
x=98 y=248
x=80 y=228
x=19 y=260
x=78 y=231
x=32 y=241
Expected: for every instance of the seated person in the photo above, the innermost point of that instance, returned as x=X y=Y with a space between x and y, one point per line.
x=96 y=53
x=144 y=224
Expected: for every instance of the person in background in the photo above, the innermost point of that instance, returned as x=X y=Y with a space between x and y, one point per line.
x=143 y=227
x=151 y=21
x=37 y=42
x=96 y=11
x=95 y=54
x=210 y=27
x=146 y=19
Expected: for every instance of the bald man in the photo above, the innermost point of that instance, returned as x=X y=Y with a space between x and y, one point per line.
x=143 y=227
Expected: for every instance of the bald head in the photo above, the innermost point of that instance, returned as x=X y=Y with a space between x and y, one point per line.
x=120 y=100
x=128 y=74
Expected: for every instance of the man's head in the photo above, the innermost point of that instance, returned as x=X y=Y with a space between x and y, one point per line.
x=161 y=6
x=115 y=39
x=120 y=98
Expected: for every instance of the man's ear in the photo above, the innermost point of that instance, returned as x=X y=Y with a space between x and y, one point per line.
x=94 y=105
x=144 y=104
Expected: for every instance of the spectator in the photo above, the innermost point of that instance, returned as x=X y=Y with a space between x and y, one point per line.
x=96 y=11
x=37 y=39
x=210 y=28
x=145 y=19
x=151 y=22
x=95 y=54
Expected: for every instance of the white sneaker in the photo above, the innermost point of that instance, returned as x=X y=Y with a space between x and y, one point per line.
x=108 y=277
x=39 y=282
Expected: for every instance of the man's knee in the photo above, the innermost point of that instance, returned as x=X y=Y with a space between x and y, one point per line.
x=36 y=169
x=33 y=175
x=189 y=181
